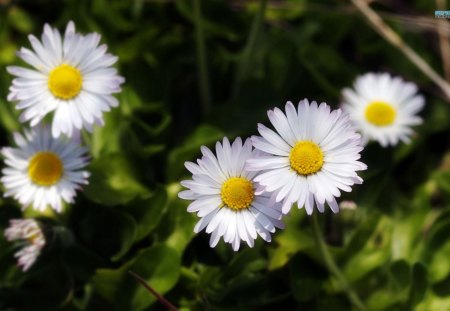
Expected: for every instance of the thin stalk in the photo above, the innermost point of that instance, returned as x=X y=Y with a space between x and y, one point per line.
x=249 y=47
x=393 y=38
x=189 y=274
x=204 y=87
x=137 y=8
x=332 y=267
x=160 y=298
x=444 y=44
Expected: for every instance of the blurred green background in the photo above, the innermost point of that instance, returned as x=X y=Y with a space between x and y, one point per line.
x=191 y=80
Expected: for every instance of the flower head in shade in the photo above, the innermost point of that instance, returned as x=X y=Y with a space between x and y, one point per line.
x=71 y=76
x=43 y=171
x=28 y=232
x=384 y=108
x=312 y=155
x=223 y=195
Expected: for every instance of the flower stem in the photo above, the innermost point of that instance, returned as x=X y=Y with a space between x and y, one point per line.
x=160 y=298
x=201 y=58
x=249 y=48
x=394 y=39
x=444 y=44
x=332 y=267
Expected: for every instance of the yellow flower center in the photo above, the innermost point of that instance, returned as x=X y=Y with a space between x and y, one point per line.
x=306 y=158
x=65 y=81
x=380 y=113
x=34 y=238
x=45 y=169
x=237 y=193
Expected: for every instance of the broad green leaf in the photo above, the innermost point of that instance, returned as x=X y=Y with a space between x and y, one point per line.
x=406 y=234
x=289 y=241
x=437 y=249
x=384 y=299
x=419 y=284
x=181 y=221
x=190 y=149
x=375 y=253
x=401 y=273
x=159 y=265
x=7 y=53
x=107 y=231
x=37 y=288
x=20 y=20
x=148 y=211
x=7 y=117
x=433 y=303
x=307 y=278
x=113 y=181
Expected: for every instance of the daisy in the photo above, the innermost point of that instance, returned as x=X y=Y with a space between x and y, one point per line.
x=383 y=107
x=223 y=195
x=71 y=75
x=29 y=232
x=312 y=155
x=43 y=171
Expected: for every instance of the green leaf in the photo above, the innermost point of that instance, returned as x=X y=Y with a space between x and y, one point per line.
x=203 y=135
x=46 y=286
x=438 y=248
x=127 y=237
x=384 y=299
x=401 y=273
x=307 y=278
x=7 y=117
x=8 y=53
x=106 y=140
x=107 y=231
x=407 y=233
x=433 y=303
x=129 y=101
x=289 y=241
x=180 y=223
x=113 y=181
x=373 y=255
x=442 y=179
x=442 y=288
x=159 y=265
x=159 y=117
x=149 y=211
x=20 y=20
x=419 y=284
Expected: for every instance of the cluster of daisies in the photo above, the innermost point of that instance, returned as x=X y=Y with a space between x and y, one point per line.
x=240 y=192
x=67 y=89
x=312 y=154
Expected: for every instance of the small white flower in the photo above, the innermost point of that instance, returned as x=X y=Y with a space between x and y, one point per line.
x=311 y=157
x=383 y=107
x=72 y=76
x=43 y=171
x=224 y=196
x=29 y=232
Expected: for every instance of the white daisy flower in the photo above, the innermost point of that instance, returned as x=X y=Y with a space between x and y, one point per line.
x=29 y=232
x=43 y=171
x=311 y=157
x=72 y=76
x=383 y=107
x=224 y=196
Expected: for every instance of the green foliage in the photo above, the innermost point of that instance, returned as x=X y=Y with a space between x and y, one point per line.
x=394 y=249
x=159 y=265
